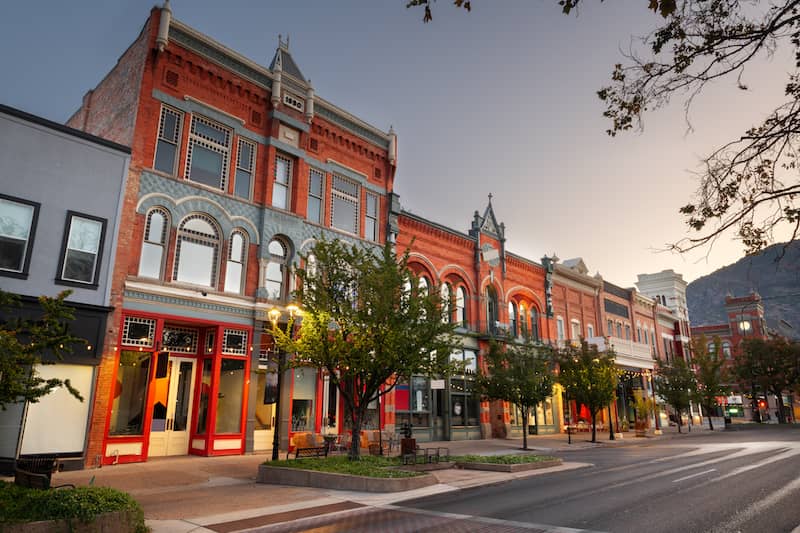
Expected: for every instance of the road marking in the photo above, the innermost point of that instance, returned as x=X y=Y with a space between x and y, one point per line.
x=758 y=508
x=491 y=521
x=694 y=475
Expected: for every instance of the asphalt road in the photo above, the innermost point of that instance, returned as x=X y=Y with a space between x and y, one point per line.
x=737 y=481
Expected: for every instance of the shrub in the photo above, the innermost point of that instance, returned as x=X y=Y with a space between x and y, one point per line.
x=22 y=504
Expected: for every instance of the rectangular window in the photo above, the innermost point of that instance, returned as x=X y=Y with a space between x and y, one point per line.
x=344 y=205
x=229 y=397
x=576 y=330
x=127 y=411
x=207 y=158
x=82 y=249
x=590 y=331
x=610 y=328
x=560 y=328
x=316 y=190
x=371 y=224
x=169 y=136
x=244 y=169
x=280 y=187
x=17 y=228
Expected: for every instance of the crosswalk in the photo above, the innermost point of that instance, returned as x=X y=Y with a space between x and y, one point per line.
x=687 y=472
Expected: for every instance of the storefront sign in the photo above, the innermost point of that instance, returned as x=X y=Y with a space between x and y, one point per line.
x=437 y=384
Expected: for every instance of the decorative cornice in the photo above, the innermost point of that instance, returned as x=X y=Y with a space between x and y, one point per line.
x=434 y=228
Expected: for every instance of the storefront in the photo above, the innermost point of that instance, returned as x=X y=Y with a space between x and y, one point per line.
x=180 y=388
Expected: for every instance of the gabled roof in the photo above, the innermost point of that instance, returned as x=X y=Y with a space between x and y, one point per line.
x=576 y=264
x=284 y=59
x=488 y=222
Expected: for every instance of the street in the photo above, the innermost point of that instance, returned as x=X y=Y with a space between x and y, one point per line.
x=741 y=480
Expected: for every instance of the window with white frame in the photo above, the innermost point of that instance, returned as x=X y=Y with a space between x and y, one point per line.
x=575 y=334
x=17 y=228
x=512 y=319
x=461 y=306
x=447 y=314
x=169 y=138
x=276 y=275
x=589 y=331
x=627 y=332
x=371 y=220
x=726 y=349
x=282 y=182
x=234 y=342
x=619 y=329
x=560 y=329
x=207 y=156
x=83 y=245
x=234 y=267
x=196 y=251
x=534 y=324
x=316 y=192
x=523 y=321
x=344 y=205
x=638 y=333
x=245 y=168
x=151 y=260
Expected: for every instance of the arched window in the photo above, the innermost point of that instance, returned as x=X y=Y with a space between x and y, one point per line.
x=461 y=306
x=512 y=319
x=277 y=270
x=234 y=269
x=423 y=285
x=196 y=251
x=523 y=321
x=492 y=316
x=534 y=324
x=712 y=349
x=447 y=309
x=154 y=244
x=726 y=349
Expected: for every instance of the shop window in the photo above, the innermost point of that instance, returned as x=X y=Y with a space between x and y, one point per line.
x=205 y=397
x=303 y=394
x=207 y=157
x=130 y=391
x=82 y=249
x=344 y=205
x=464 y=403
x=371 y=220
x=229 y=396
x=177 y=339
x=17 y=228
x=151 y=260
x=169 y=137
x=316 y=192
x=412 y=399
x=234 y=342
x=138 y=331
x=282 y=182
x=245 y=168
x=196 y=251
x=235 y=265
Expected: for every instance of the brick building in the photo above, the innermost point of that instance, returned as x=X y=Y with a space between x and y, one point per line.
x=236 y=168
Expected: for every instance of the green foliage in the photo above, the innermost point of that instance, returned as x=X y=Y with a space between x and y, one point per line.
x=589 y=377
x=518 y=373
x=24 y=344
x=676 y=383
x=772 y=364
x=21 y=504
x=501 y=459
x=369 y=466
x=711 y=373
x=367 y=324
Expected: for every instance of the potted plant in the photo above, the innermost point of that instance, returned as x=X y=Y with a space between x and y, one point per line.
x=644 y=408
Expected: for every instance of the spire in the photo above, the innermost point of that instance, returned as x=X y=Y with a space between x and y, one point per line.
x=282 y=61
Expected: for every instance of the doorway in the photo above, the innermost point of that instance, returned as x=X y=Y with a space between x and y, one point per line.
x=172 y=405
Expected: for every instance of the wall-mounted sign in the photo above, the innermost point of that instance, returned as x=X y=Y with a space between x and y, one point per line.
x=437 y=384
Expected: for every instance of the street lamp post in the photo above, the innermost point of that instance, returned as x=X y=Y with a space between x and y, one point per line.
x=274 y=315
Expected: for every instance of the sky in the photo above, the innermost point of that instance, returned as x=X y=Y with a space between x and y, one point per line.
x=501 y=100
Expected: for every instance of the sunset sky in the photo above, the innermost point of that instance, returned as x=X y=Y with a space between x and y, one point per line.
x=501 y=100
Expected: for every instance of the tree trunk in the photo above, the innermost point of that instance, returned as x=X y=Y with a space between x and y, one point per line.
x=594 y=426
x=525 y=427
x=710 y=422
x=355 y=441
x=680 y=420
x=781 y=414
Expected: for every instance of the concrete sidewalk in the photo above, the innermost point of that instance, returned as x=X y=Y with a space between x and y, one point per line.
x=191 y=493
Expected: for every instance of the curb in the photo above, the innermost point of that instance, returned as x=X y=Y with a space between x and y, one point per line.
x=277 y=475
x=510 y=468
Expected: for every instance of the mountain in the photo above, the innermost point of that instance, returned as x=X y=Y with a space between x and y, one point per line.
x=777 y=281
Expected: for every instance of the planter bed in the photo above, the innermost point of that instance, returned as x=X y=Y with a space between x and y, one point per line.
x=327 y=480
x=116 y=522
x=519 y=467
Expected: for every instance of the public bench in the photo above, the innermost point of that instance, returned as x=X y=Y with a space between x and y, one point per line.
x=315 y=451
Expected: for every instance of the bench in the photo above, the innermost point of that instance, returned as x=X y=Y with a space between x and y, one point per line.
x=429 y=455
x=315 y=451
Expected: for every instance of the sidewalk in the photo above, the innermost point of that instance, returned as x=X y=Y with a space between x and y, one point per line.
x=189 y=493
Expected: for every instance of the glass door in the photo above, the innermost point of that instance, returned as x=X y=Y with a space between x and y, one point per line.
x=172 y=407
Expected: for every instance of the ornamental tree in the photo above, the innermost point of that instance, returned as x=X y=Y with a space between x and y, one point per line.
x=771 y=364
x=366 y=324
x=711 y=375
x=26 y=344
x=588 y=376
x=518 y=373
x=677 y=384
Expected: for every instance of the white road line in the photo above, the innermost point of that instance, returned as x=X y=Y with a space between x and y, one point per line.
x=694 y=475
x=486 y=520
x=758 y=508
x=778 y=457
